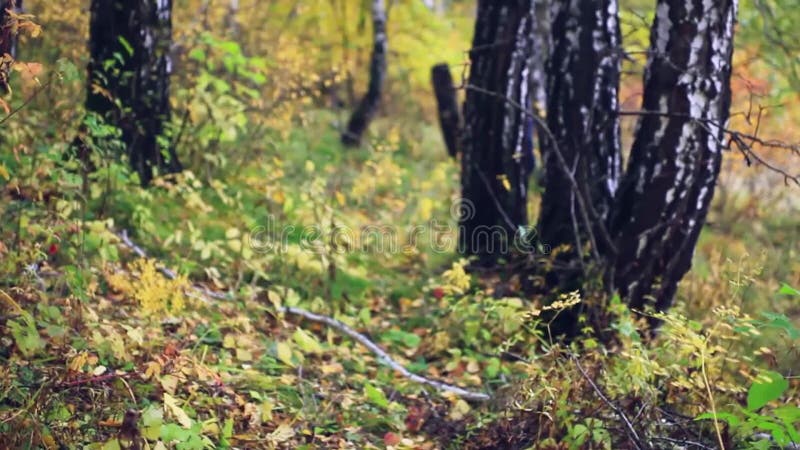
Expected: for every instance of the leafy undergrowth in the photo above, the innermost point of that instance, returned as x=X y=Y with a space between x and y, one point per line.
x=90 y=329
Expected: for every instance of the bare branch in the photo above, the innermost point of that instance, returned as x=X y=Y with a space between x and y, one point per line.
x=383 y=356
x=333 y=323
x=635 y=440
x=744 y=142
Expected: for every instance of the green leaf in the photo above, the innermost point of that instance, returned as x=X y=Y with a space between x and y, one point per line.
x=492 y=367
x=230 y=47
x=376 y=396
x=111 y=444
x=780 y=321
x=197 y=54
x=227 y=433
x=25 y=334
x=767 y=388
x=731 y=419
x=174 y=432
x=407 y=339
x=67 y=70
x=789 y=414
x=788 y=290
x=126 y=45
x=152 y=420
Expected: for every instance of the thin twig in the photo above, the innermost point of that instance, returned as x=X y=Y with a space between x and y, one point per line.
x=27 y=101
x=631 y=430
x=745 y=142
x=583 y=203
x=681 y=442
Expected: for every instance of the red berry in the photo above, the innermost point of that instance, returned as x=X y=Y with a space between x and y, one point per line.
x=438 y=293
x=53 y=249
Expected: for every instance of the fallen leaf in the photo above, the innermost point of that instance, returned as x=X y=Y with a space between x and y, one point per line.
x=171 y=403
x=391 y=438
x=283 y=433
x=284 y=353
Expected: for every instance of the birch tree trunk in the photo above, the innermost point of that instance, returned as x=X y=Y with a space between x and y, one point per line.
x=581 y=159
x=676 y=155
x=497 y=148
x=129 y=72
x=368 y=106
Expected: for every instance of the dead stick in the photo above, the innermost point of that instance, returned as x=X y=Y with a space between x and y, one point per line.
x=333 y=323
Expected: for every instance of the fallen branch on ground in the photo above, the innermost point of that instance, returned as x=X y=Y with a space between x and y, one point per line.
x=384 y=357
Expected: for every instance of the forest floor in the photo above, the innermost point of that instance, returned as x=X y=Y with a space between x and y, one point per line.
x=211 y=358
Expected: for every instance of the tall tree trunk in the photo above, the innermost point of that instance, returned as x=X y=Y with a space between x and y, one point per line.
x=676 y=154
x=129 y=77
x=447 y=105
x=582 y=157
x=368 y=107
x=542 y=42
x=497 y=152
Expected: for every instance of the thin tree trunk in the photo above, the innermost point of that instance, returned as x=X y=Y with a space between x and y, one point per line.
x=542 y=42
x=676 y=155
x=497 y=147
x=130 y=64
x=584 y=73
x=447 y=105
x=8 y=39
x=231 y=23
x=368 y=107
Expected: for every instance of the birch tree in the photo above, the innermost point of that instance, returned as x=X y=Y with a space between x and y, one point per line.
x=665 y=194
x=368 y=106
x=633 y=229
x=497 y=138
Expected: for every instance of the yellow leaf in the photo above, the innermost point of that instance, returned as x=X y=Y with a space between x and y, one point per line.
x=284 y=353
x=153 y=369
x=283 y=433
x=425 y=208
x=229 y=341
x=328 y=369
x=459 y=410
x=235 y=245
x=4 y=172
x=340 y=198
x=307 y=342
x=244 y=355
x=278 y=197
x=171 y=403
x=169 y=383
x=504 y=179
x=266 y=410
x=275 y=299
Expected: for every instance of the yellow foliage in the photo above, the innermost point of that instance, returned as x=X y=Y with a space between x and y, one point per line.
x=456 y=280
x=155 y=292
